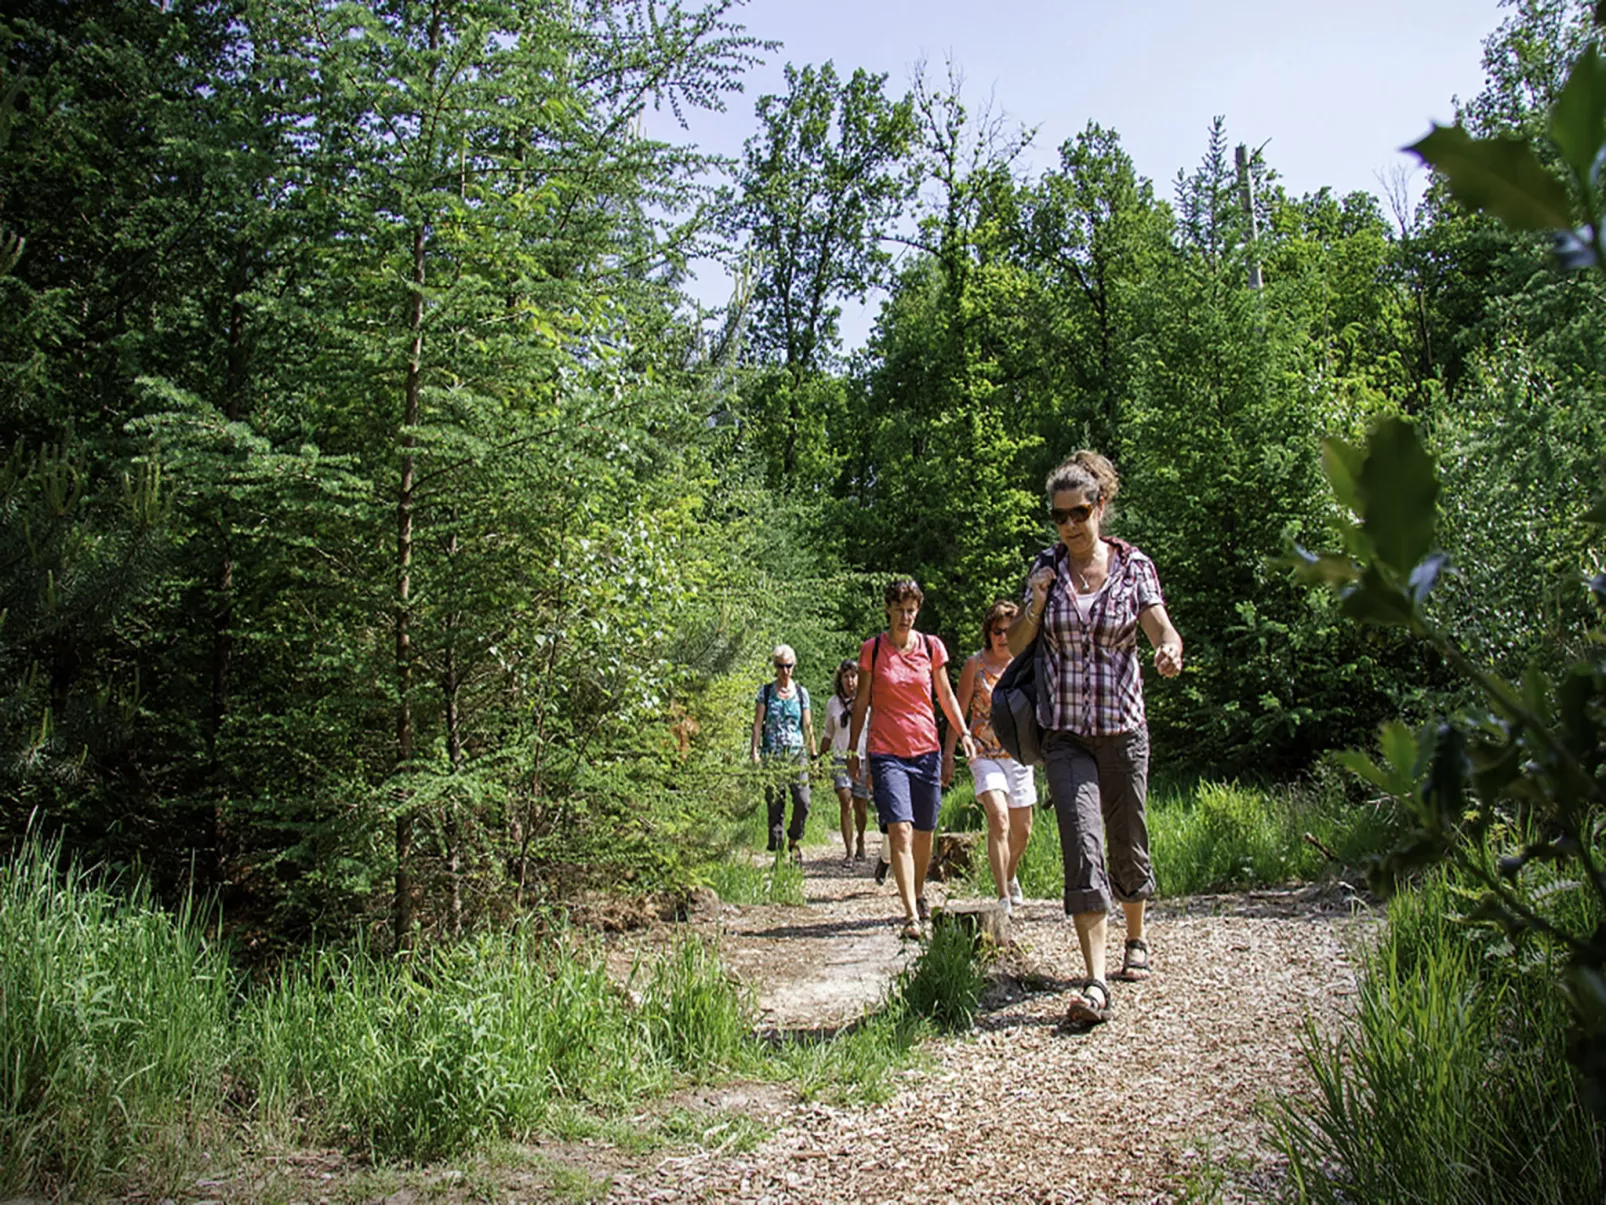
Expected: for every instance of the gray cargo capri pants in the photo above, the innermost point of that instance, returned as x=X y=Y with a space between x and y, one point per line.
x=1099 y=785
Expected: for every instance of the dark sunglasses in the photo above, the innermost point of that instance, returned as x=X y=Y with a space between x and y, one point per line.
x=1074 y=514
x=785 y=664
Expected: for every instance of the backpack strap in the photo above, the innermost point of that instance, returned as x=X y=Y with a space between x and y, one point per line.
x=875 y=652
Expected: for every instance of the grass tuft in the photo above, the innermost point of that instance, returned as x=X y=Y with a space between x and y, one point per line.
x=697 y=1018
x=944 y=984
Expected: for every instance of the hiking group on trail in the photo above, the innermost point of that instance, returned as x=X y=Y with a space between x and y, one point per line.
x=1072 y=639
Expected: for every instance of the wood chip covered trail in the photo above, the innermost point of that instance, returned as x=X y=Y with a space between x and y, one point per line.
x=1160 y=1100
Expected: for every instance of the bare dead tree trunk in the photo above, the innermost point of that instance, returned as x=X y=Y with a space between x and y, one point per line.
x=1246 y=198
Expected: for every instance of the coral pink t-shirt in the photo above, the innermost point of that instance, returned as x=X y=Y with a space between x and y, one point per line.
x=903 y=718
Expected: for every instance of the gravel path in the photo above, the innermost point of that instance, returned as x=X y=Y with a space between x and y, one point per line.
x=1156 y=1104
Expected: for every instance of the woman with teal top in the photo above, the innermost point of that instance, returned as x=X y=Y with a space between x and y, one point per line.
x=783 y=738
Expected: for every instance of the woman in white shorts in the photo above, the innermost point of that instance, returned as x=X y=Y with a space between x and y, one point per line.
x=1006 y=790
x=852 y=793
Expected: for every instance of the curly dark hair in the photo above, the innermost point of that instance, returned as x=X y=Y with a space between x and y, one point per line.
x=902 y=588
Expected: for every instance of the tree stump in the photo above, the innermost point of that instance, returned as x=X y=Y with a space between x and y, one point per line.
x=984 y=920
x=952 y=854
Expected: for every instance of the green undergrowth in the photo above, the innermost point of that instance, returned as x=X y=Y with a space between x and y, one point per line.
x=740 y=879
x=115 y=1029
x=1452 y=1085
x=131 y=1053
x=731 y=864
x=1205 y=836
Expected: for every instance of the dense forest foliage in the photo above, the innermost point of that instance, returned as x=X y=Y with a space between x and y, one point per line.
x=384 y=536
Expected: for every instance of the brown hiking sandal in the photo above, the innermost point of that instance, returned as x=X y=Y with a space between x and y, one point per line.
x=1090 y=1005
x=1135 y=963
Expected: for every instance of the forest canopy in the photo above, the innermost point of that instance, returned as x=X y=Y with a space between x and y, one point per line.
x=385 y=536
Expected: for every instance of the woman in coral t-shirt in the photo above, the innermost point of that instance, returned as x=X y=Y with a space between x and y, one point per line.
x=899 y=671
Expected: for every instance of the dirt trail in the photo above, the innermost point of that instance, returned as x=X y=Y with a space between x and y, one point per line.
x=1157 y=1103
x=822 y=965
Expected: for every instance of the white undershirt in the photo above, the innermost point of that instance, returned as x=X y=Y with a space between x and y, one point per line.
x=1084 y=602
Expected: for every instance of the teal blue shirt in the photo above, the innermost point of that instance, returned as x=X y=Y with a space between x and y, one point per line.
x=783 y=719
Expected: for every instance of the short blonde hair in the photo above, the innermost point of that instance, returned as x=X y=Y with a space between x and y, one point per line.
x=783 y=652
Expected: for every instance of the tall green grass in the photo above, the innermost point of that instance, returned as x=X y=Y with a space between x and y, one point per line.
x=128 y=1047
x=423 y=1059
x=114 y=1031
x=1205 y=836
x=1453 y=1085
x=945 y=983
x=1221 y=836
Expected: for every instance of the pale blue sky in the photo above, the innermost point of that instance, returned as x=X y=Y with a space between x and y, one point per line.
x=1333 y=90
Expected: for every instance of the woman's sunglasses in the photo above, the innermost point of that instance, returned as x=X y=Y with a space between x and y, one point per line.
x=1071 y=514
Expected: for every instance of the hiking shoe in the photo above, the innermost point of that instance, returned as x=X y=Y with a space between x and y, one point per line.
x=922 y=909
x=1016 y=895
x=881 y=869
x=1004 y=906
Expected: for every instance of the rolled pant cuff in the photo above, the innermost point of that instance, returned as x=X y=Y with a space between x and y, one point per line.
x=1086 y=901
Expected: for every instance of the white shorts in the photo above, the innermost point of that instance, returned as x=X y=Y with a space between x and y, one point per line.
x=1008 y=777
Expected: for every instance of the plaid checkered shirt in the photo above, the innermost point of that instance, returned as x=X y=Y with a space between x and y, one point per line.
x=1089 y=680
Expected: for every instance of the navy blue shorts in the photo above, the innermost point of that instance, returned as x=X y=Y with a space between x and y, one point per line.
x=908 y=790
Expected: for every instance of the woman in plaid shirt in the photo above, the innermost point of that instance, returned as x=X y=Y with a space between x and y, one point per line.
x=1086 y=597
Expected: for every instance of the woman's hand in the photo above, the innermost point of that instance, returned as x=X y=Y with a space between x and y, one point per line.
x=947 y=769
x=968 y=743
x=1168 y=660
x=1040 y=581
x=853 y=765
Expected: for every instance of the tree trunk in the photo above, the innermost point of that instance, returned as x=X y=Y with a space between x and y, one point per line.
x=451 y=687
x=1246 y=198
x=222 y=658
x=402 y=912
